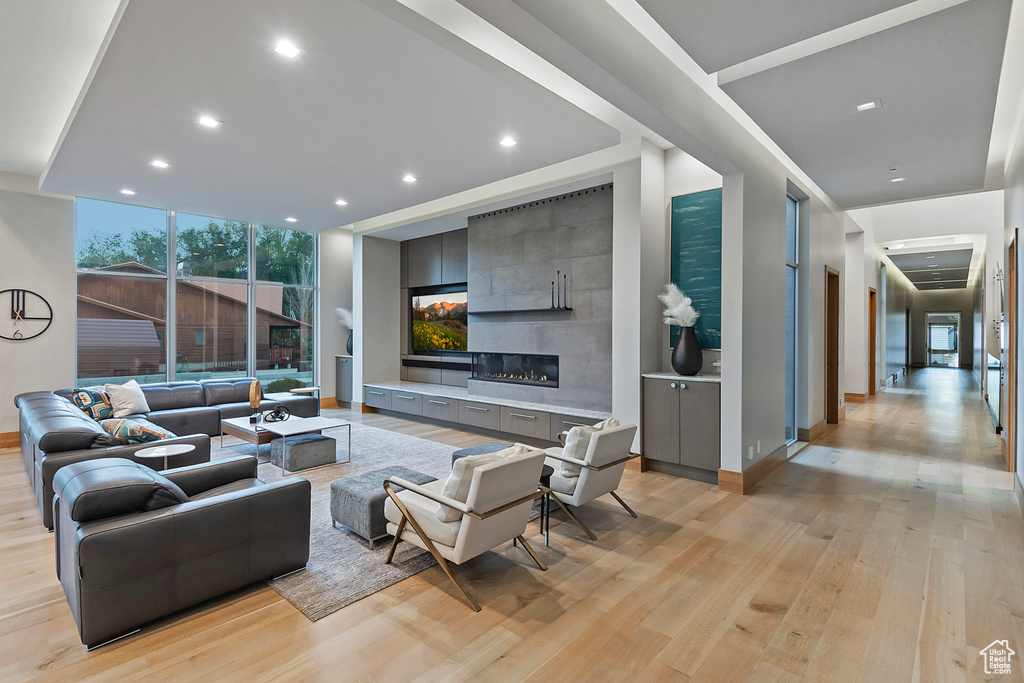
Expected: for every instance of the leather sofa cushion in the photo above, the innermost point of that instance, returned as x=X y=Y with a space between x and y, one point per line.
x=106 y=487
x=173 y=395
x=198 y=420
x=220 y=391
x=56 y=424
x=239 y=485
x=229 y=410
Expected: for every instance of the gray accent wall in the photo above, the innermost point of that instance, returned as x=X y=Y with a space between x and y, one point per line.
x=513 y=256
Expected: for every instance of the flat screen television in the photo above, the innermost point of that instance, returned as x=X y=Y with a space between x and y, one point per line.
x=439 y=319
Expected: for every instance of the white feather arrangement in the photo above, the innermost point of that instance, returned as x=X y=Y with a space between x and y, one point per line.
x=344 y=317
x=679 y=308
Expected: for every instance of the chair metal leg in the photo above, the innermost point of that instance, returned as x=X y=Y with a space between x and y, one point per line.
x=529 y=549
x=427 y=542
x=623 y=504
x=574 y=517
x=398 y=537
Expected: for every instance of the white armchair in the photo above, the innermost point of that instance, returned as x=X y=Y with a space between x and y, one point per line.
x=494 y=508
x=577 y=482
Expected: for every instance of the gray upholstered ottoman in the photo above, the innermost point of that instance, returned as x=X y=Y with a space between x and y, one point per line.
x=303 y=451
x=357 y=502
x=491 y=447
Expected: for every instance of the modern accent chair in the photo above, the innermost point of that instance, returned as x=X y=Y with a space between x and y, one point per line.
x=134 y=545
x=494 y=508
x=577 y=481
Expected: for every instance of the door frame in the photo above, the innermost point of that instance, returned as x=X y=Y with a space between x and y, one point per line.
x=872 y=340
x=1011 y=394
x=832 y=331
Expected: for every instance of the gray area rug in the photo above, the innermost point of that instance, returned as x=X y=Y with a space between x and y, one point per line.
x=342 y=568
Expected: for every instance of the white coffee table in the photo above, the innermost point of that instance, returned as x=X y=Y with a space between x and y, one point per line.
x=264 y=432
x=165 y=451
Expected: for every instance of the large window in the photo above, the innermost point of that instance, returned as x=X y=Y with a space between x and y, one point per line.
x=122 y=293
x=234 y=314
x=792 y=279
x=285 y=305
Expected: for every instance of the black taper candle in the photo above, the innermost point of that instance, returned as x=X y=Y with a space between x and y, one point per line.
x=557 y=273
x=552 y=294
x=565 y=291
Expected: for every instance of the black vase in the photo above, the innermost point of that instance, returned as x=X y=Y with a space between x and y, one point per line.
x=687 y=357
x=348 y=344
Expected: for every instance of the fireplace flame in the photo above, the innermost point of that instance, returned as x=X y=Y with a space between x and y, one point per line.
x=521 y=377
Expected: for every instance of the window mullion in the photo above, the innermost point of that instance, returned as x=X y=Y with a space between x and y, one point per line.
x=171 y=322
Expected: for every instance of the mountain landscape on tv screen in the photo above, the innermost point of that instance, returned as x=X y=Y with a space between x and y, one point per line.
x=439 y=322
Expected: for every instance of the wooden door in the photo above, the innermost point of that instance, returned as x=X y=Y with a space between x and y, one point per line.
x=700 y=426
x=872 y=339
x=1011 y=383
x=831 y=345
x=661 y=420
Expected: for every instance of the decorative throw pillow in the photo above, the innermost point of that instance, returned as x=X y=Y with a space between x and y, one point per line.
x=577 y=442
x=131 y=432
x=457 y=484
x=127 y=399
x=94 y=401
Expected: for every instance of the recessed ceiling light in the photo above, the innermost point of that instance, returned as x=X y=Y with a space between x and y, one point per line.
x=868 y=106
x=159 y=163
x=291 y=220
x=897 y=180
x=128 y=192
x=341 y=202
x=409 y=178
x=288 y=49
x=508 y=141
x=209 y=122
x=929 y=257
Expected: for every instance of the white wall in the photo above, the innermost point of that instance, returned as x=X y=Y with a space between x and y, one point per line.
x=38 y=237
x=377 y=312
x=335 y=292
x=855 y=337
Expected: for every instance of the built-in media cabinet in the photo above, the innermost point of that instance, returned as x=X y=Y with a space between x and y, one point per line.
x=682 y=419
x=443 y=403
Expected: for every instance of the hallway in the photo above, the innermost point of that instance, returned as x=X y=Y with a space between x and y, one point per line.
x=890 y=550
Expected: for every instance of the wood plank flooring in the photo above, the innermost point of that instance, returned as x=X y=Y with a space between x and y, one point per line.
x=890 y=550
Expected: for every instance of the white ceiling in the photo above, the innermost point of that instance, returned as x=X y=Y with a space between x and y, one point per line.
x=936 y=78
x=943 y=268
x=48 y=48
x=726 y=32
x=370 y=101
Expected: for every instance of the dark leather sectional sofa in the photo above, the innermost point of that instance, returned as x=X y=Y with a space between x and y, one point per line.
x=55 y=432
x=135 y=545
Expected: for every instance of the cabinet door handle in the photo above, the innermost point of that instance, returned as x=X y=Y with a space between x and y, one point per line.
x=483 y=410
x=439 y=403
x=525 y=417
x=376 y=393
x=405 y=398
x=682 y=386
x=574 y=424
x=672 y=385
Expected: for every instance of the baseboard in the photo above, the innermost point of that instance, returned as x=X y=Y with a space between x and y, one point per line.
x=9 y=439
x=856 y=398
x=742 y=482
x=636 y=465
x=1018 y=492
x=368 y=409
x=813 y=433
x=332 y=402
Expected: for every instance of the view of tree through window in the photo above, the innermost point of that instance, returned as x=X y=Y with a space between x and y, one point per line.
x=285 y=302
x=123 y=305
x=122 y=293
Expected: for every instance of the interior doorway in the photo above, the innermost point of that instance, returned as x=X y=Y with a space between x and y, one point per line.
x=872 y=339
x=943 y=340
x=831 y=345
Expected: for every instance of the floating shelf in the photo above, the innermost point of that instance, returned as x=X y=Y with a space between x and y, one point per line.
x=563 y=309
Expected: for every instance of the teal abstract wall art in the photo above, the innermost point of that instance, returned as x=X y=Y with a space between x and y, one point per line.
x=697 y=261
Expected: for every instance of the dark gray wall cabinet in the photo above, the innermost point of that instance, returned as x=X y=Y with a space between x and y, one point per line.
x=682 y=423
x=425 y=261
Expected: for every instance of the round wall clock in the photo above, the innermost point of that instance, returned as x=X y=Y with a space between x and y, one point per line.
x=30 y=314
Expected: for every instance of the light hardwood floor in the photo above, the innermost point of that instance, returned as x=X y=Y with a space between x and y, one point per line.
x=890 y=550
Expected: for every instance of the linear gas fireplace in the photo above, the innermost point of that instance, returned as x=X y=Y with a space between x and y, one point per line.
x=516 y=368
